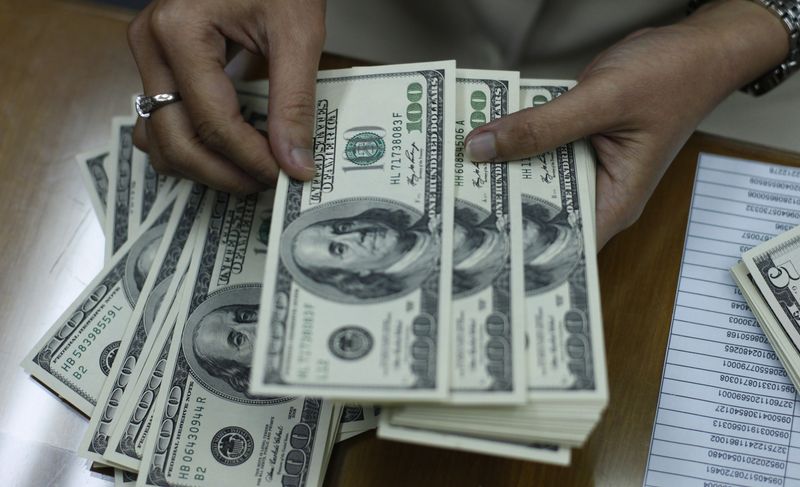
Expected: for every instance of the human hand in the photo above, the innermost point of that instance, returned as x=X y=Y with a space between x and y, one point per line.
x=182 y=45
x=640 y=100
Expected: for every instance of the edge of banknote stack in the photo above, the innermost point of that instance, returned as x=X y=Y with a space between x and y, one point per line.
x=236 y=339
x=768 y=278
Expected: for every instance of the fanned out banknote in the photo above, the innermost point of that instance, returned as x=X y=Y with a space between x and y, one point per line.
x=76 y=355
x=94 y=172
x=211 y=430
x=160 y=288
x=147 y=187
x=566 y=358
x=449 y=303
x=357 y=291
x=118 y=210
x=133 y=421
x=488 y=314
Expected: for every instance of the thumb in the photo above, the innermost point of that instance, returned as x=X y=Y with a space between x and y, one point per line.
x=586 y=109
x=293 y=61
x=608 y=217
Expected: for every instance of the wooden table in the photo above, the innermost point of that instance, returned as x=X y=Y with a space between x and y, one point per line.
x=64 y=71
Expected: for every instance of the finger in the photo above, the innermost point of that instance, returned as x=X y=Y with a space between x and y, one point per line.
x=170 y=136
x=155 y=158
x=624 y=184
x=140 y=135
x=293 y=61
x=606 y=224
x=197 y=55
x=587 y=109
x=177 y=145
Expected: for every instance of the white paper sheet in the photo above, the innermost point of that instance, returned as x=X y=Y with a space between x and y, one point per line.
x=727 y=413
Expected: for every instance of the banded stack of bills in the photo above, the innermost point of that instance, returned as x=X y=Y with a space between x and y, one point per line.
x=769 y=280
x=236 y=339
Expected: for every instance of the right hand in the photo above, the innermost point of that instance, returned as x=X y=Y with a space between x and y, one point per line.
x=181 y=45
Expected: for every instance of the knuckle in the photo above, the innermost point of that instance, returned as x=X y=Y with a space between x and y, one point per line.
x=240 y=187
x=159 y=165
x=297 y=106
x=140 y=142
x=137 y=31
x=211 y=133
x=306 y=30
x=171 y=157
x=639 y=32
x=264 y=170
x=527 y=136
x=164 y=20
x=291 y=119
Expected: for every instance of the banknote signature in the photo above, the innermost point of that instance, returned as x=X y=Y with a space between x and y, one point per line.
x=548 y=175
x=273 y=454
x=479 y=180
x=413 y=156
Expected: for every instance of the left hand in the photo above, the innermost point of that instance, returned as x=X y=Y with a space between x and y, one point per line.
x=640 y=100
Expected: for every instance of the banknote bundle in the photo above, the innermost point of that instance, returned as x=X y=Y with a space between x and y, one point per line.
x=462 y=297
x=235 y=339
x=769 y=280
x=563 y=385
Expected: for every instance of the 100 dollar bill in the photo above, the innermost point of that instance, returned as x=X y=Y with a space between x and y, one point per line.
x=118 y=225
x=211 y=430
x=134 y=420
x=357 y=298
x=75 y=356
x=147 y=186
x=566 y=356
x=488 y=335
x=94 y=172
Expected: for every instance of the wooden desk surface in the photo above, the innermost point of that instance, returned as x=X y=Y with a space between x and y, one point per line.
x=64 y=71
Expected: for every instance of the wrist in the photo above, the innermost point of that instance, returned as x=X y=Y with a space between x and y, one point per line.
x=744 y=40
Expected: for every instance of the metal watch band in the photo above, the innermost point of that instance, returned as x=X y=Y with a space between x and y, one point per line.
x=788 y=12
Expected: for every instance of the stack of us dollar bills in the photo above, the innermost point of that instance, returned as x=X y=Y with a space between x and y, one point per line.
x=233 y=340
x=769 y=280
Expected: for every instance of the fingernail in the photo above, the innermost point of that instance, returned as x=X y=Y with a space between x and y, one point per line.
x=482 y=147
x=303 y=160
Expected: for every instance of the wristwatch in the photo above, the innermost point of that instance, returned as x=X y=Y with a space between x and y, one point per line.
x=788 y=11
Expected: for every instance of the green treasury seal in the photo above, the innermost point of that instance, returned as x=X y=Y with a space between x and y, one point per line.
x=364 y=148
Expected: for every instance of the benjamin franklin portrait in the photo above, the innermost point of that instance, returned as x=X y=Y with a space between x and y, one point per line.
x=552 y=245
x=480 y=248
x=357 y=250
x=218 y=342
x=140 y=260
x=223 y=343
